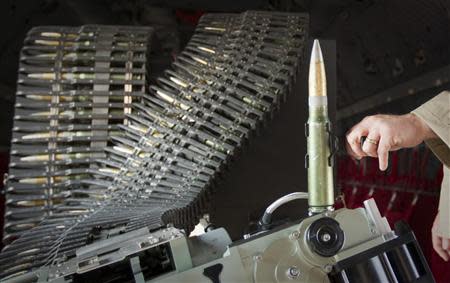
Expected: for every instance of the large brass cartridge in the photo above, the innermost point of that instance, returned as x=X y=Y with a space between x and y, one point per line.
x=318 y=159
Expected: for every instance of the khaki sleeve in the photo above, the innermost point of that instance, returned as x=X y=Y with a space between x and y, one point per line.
x=436 y=114
x=443 y=228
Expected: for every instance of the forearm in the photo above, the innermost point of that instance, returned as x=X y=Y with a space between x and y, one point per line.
x=436 y=115
x=422 y=127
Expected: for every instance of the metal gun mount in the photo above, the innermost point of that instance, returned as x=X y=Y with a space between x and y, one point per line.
x=346 y=245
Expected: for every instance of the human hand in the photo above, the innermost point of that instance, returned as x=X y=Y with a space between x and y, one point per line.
x=440 y=244
x=386 y=133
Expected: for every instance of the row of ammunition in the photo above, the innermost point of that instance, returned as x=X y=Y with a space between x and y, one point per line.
x=177 y=140
x=75 y=85
x=250 y=70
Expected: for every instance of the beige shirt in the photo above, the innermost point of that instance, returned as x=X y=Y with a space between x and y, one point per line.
x=436 y=114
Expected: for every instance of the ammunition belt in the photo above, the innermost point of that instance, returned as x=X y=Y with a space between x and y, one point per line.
x=75 y=85
x=178 y=138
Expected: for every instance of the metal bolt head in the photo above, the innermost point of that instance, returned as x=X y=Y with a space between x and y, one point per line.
x=294 y=235
x=257 y=257
x=293 y=272
x=326 y=237
x=328 y=268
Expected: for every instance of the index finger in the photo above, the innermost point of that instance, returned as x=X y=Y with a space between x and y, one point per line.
x=383 y=153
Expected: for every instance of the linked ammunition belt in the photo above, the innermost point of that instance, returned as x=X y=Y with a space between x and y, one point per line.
x=177 y=139
x=75 y=85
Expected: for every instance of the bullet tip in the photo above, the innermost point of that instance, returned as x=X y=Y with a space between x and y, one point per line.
x=316 y=54
x=317 y=78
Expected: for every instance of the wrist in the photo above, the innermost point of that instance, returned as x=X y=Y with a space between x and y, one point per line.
x=423 y=129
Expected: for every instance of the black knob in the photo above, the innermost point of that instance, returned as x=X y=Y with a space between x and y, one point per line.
x=325 y=237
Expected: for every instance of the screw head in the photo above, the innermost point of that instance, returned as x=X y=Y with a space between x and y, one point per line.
x=257 y=257
x=328 y=268
x=293 y=272
x=326 y=237
x=294 y=235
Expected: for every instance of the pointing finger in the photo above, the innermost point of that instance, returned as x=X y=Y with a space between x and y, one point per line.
x=383 y=154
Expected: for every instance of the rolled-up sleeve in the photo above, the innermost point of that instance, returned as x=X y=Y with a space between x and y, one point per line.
x=436 y=114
